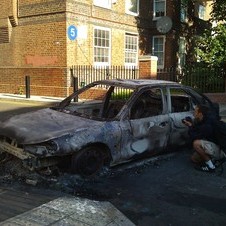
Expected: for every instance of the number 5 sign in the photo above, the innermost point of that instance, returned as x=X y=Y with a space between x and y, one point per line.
x=72 y=32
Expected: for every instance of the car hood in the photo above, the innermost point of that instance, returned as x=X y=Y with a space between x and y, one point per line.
x=43 y=125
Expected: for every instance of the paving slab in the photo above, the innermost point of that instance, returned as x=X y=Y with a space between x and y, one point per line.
x=71 y=211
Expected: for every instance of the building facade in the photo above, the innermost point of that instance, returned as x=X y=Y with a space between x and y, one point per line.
x=43 y=38
x=173 y=27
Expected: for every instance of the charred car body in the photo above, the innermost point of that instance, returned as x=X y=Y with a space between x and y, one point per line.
x=106 y=122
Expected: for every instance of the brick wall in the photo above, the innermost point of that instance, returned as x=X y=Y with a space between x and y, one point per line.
x=217 y=97
x=39 y=38
x=6 y=8
x=95 y=94
x=39 y=44
x=88 y=16
x=43 y=81
x=35 y=45
x=171 y=46
x=40 y=7
x=148 y=67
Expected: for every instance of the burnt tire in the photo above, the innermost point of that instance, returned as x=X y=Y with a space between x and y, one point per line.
x=88 y=161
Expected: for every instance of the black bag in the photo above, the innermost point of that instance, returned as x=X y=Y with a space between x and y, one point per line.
x=220 y=134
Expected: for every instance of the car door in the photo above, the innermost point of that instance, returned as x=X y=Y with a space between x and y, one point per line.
x=181 y=104
x=147 y=126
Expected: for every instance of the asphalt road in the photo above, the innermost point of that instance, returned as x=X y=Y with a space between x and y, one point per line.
x=162 y=191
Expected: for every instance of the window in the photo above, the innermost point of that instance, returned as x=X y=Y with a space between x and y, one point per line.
x=158 y=49
x=148 y=104
x=103 y=3
x=101 y=46
x=159 y=8
x=180 y=101
x=115 y=101
x=182 y=52
x=202 y=11
x=183 y=10
x=132 y=7
x=131 y=49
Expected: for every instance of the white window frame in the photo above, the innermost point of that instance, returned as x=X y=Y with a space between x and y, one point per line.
x=128 y=5
x=160 y=66
x=96 y=63
x=201 y=12
x=154 y=9
x=133 y=51
x=183 y=11
x=103 y=3
x=182 y=52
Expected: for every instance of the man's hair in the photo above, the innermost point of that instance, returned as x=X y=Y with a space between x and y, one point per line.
x=203 y=109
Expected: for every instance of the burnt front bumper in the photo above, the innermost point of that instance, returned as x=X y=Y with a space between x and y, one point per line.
x=29 y=160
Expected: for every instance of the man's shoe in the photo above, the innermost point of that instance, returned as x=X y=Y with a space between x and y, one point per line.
x=205 y=168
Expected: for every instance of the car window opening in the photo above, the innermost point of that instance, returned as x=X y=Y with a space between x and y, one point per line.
x=99 y=102
x=181 y=101
x=147 y=105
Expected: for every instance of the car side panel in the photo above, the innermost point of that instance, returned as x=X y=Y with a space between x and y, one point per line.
x=145 y=135
x=179 y=131
x=108 y=134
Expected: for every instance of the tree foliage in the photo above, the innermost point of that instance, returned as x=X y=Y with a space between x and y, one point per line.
x=219 y=10
x=211 y=47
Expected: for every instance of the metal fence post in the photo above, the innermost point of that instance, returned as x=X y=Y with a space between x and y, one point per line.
x=75 y=87
x=27 y=85
x=74 y=82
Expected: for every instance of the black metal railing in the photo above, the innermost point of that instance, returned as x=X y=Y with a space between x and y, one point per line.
x=87 y=74
x=204 y=79
x=169 y=74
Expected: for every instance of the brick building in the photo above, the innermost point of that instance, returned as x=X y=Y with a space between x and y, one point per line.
x=43 y=38
x=171 y=28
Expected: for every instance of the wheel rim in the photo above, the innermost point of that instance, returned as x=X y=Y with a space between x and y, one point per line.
x=88 y=162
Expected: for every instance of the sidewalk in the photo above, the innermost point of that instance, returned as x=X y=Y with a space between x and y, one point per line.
x=71 y=211
x=39 y=99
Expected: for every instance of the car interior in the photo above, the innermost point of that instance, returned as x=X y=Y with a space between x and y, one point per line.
x=148 y=104
x=180 y=104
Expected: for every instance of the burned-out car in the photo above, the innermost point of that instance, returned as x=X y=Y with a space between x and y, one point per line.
x=104 y=123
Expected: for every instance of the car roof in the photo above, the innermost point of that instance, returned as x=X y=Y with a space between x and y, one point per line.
x=134 y=83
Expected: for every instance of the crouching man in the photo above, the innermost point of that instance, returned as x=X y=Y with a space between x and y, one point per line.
x=202 y=137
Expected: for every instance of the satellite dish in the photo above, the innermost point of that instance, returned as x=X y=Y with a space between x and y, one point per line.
x=164 y=24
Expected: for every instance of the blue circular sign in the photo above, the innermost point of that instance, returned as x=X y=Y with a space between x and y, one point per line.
x=72 y=32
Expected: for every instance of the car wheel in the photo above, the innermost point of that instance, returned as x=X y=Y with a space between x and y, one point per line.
x=88 y=161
